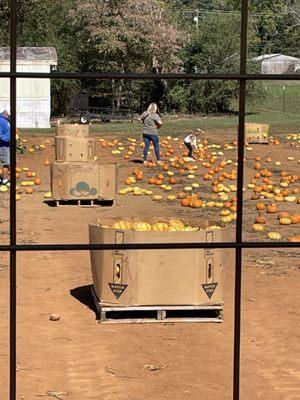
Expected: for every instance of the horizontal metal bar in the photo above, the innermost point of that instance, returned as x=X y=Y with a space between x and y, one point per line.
x=144 y=76
x=148 y=246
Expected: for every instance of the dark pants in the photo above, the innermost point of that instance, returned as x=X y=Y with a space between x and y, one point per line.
x=147 y=140
x=189 y=146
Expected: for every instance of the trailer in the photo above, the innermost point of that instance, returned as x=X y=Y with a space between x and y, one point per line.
x=80 y=107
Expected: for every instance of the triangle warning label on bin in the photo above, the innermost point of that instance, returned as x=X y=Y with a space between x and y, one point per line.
x=209 y=288
x=117 y=289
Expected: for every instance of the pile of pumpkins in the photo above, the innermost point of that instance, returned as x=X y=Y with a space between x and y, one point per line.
x=173 y=225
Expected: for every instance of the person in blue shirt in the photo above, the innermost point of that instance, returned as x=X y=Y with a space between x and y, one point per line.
x=4 y=145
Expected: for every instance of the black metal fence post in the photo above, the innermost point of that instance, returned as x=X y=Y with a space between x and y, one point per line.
x=12 y=203
x=238 y=245
x=239 y=223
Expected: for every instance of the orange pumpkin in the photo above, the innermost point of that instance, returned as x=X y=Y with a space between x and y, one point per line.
x=37 y=181
x=185 y=202
x=152 y=181
x=181 y=195
x=260 y=206
x=272 y=208
x=260 y=219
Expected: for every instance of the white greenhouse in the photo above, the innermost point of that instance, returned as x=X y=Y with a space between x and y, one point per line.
x=33 y=95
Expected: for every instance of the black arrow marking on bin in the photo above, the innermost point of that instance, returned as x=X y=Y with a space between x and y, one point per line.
x=209 y=288
x=117 y=289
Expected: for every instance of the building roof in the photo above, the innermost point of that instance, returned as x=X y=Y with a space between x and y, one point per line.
x=281 y=57
x=44 y=54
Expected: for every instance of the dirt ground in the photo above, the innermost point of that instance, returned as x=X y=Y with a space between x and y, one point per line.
x=76 y=358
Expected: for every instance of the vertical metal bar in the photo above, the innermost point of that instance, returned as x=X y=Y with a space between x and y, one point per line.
x=239 y=224
x=13 y=228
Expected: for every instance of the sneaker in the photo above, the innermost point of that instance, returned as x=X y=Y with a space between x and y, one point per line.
x=5 y=181
x=145 y=163
x=160 y=162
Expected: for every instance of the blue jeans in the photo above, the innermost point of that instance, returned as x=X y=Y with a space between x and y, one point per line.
x=147 y=140
x=4 y=156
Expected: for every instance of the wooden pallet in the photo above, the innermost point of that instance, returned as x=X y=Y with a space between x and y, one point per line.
x=258 y=142
x=77 y=202
x=157 y=314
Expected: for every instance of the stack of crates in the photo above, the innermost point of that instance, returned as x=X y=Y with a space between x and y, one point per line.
x=75 y=174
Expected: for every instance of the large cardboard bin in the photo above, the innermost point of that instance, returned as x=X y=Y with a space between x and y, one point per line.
x=74 y=149
x=256 y=133
x=157 y=277
x=73 y=130
x=80 y=181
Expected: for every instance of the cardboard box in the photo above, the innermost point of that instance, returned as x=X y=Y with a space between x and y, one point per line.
x=79 y=181
x=73 y=130
x=157 y=277
x=74 y=149
x=256 y=133
x=71 y=181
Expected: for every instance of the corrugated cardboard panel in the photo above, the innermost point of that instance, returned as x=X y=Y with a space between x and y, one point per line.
x=107 y=181
x=157 y=277
x=75 y=130
x=77 y=181
x=74 y=149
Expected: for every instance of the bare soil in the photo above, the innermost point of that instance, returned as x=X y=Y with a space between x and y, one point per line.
x=76 y=358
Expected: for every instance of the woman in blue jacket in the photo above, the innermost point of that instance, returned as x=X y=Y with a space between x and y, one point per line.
x=4 y=145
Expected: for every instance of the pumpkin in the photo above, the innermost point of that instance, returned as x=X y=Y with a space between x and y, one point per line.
x=198 y=203
x=157 y=197
x=295 y=239
x=185 y=202
x=258 y=227
x=271 y=208
x=172 y=181
x=171 y=197
x=122 y=191
x=213 y=228
x=123 y=225
x=223 y=213
x=260 y=206
x=29 y=190
x=158 y=182
x=181 y=195
x=160 y=177
x=141 y=226
x=18 y=197
x=152 y=181
x=285 y=221
x=260 y=219
x=175 y=223
x=295 y=219
x=37 y=181
x=47 y=195
x=3 y=188
x=283 y=214
x=274 y=235
x=227 y=218
x=160 y=227
x=290 y=199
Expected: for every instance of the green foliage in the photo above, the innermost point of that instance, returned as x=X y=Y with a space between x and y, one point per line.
x=154 y=36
